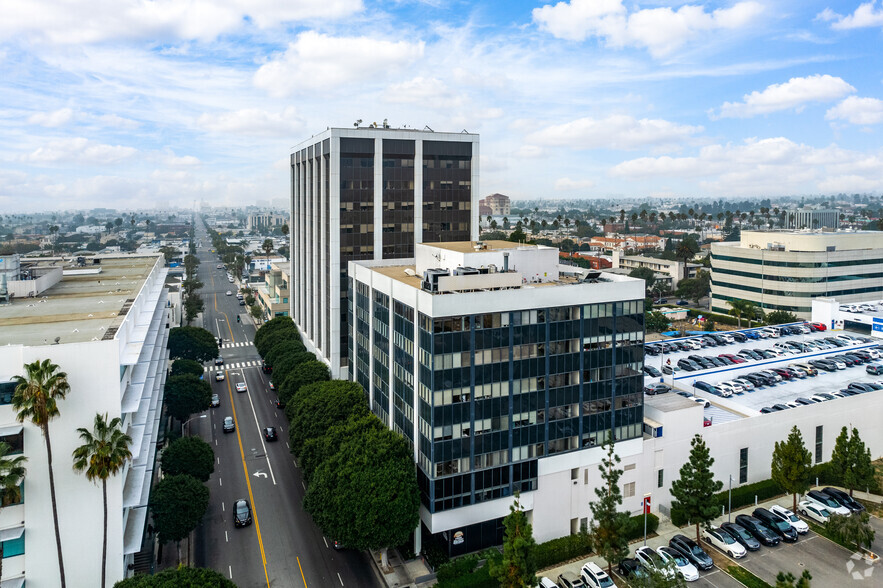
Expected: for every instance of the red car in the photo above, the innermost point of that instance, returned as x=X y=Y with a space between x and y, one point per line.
x=820 y=326
x=733 y=358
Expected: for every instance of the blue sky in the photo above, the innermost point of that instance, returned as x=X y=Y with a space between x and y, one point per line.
x=127 y=103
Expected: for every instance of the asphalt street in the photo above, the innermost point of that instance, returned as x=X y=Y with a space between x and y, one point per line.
x=282 y=547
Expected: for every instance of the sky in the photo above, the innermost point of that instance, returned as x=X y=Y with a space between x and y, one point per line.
x=134 y=103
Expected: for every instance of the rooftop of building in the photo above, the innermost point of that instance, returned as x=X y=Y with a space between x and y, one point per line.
x=489 y=245
x=81 y=307
x=808 y=240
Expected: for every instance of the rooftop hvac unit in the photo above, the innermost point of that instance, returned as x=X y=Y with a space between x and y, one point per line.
x=430 y=278
x=466 y=271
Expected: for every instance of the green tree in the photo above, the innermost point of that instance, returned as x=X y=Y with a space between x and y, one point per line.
x=272 y=326
x=694 y=288
x=280 y=350
x=317 y=450
x=667 y=577
x=655 y=321
x=286 y=364
x=267 y=246
x=786 y=580
x=186 y=395
x=177 y=504
x=255 y=311
x=693 y=492
x=192 y=343
x=305 y=373
x=518 y=235
x=780 y=317
x=851 y=462
x=685 y=252
x=854 y=529
x=740 y=308
x=12 y=474
x=517 y=568
x=36 y=399
x=609 y=525
x=104 y=452
x=193 y=305
x=189 y=455
x=646 y=274
x=168 y=253
x=376 y=519
x=792 y=465
x=317 y=407
x=187 y=366
x=180 y=577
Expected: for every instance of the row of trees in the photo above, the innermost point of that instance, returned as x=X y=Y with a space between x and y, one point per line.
x=362 y=484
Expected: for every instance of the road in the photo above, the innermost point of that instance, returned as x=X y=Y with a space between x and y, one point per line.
x=282 y=547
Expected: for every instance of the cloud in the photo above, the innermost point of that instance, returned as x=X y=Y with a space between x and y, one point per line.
x=794 y=93
x=183 y=161
x=659 y=30
x=858 y=111
x=56 y=118
x=866 y=15
x=427 y=92
x=316 y=61
x=568 y=185
x=614 y=132
x=773 y=166
x=253 y=122
x=95 y=21
x=79 y=151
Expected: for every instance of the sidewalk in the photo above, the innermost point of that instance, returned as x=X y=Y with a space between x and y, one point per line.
x=410 y=574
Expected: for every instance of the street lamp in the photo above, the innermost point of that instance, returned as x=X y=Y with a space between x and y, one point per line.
x=202 y=416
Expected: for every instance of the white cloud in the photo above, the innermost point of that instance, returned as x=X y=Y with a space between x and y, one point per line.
x=80 y=151
x=93 y=21
x=181 y=161
x=56 y=118
x=614 y=132
x=426 y=92
x=772 y=166
x=858 y=111
x=254 y=122
x=568 y=185
x=316 y=61
x=794 y=93
x=866 y=15
x=117 y=122
x=660 y=30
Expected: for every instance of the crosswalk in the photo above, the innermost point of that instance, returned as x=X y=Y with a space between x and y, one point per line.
x=233 y=366
x=239 y=344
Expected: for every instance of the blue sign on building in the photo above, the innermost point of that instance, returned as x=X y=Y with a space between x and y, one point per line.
x=878 y=325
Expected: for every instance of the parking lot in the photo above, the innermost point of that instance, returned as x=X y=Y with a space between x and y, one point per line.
x=746 y=403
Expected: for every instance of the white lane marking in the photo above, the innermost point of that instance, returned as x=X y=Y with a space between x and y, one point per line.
x=326 y=541
x=339 y=578
x=220 y=482
x=302 y=484
x=226 y=537
x=216 y=441
x=261 y=437
x=230 y=571
x=275 y=414
x=222 y=506
x=219 y=461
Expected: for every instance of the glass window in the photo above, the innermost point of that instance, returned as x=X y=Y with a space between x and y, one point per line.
x=819 y=444
x=7 y=389
x=14 y=547
x=16 y=442
x=660 y=478
x=628 y=490
x=743 y=465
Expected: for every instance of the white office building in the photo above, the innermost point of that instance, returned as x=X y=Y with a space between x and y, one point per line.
x=105 y=324
x=370 y=194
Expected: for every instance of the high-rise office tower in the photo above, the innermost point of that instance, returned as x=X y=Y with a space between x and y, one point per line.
x=370 y=194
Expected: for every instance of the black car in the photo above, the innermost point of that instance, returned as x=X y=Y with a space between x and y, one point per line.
x=738 y=337
x=766 y=354
x=241 y=513
x=756 y=379
x=741 y=536
x=652 y=371
x=630 y=567
x=270 y=434
x=689 y=549
x=758 y=529
x=652 y=350
x=844 y=499
x=780 y=527
x=860 y=387
x=804 y=401
x=709 y=342
x=823 y=364
x=725 y=360
x=219 y=361
x=688 y=365
x=780 y=407
x=717 y=361
x=682 y=303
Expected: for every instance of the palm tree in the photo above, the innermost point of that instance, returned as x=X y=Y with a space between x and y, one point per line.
x=36 y=399
x=104 y=451
x=12 y=472
x=685 y=252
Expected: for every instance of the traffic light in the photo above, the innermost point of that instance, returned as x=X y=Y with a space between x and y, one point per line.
x=237 y=318
x=220 y=341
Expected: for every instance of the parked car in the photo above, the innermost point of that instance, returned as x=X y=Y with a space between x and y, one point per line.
x=241 y=513
x=746 y=384
x=546 y=583
x=682 y=303
x=790 y=518
x=680 y=563
x=758 y=530
x=844 y=499
x=732 y=357
x=688 y=365
x=823 y=365
x=706 y=387
x=778 y=526
x=689 y=549
x=813 y=511
x=670 y=369
x=723 y=541
x=593 y=576
x=743 y=537
x=771 y=375
x=570 y=580
x=825 y=500
x=630 y=567
x=804 y=401
x=652 y=371
x=874 y=368
x=738 y=337
x=653 y=562
x=653 y=389
x=725 y=389
x=805 y=368
x=819 y=326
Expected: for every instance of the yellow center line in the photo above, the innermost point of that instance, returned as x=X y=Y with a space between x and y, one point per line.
x=254 y=507
x=301 y=571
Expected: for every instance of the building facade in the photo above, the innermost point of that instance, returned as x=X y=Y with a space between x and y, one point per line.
x=111 y=342
x=370 y=194
x=672 y=272
x=805 y=218
x=785 y=270
x=502 y=369
x=497 y=205
x=272 y=294
x=267 y=220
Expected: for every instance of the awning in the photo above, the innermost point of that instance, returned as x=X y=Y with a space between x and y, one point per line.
x=12 y=533
x=13 y=583
x=10 y=430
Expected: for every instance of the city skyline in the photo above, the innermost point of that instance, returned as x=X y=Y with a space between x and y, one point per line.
x=193 y=101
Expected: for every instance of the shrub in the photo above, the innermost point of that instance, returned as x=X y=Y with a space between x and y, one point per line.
x=562 y=549
x=635 y=528
x=465 y=573
x=724 y=319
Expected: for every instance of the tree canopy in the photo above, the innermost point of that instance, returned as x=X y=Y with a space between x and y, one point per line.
x=693 y=492
x=318 y=406
x=608 y=523
x=517 y=568
x=189 y=455
x=366 y=494
x=656 y=322
x=317 y=450
x=186 y=395
x=274 y=325
x=192 y=343
x=180 y=577
x=186 y=366
x=305 y=373
x=285 y=365
x=280 y=350
x=781 y=317
x=792 y=465
x=851 y=462
x=178 y=504
x=646 y=274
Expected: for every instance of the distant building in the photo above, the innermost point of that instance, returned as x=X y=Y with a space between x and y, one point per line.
x=272 y=294
x=805 y=218
x=785 y=270
x=496 y=204
x=268 y=220
x=629 y=242
x=674 y=270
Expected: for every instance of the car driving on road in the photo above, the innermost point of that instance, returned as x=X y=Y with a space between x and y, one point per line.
x=229 y=426
x=219 y=376
x=216 y=400
x=241 y=387
x=241 y=513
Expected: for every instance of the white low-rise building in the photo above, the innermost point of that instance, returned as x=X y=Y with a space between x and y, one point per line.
x=104 y=324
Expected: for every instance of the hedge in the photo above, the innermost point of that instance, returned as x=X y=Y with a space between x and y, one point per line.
x=464 y=572
x=635 y=528
x=721 y=318
x=562 y=549
x=742 y=496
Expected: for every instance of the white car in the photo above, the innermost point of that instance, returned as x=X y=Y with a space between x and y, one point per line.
x=723 y=541
x=813 y=511
x=219 y=376
x=241 y=387
x=790 y=518
x=652 y=561
x=702 y=401
x=546 y=583
x=824 y=501
x=779 y=352
x=692 y=344
x=771 y=333
x=726 y=389
x=594 y=576
x=839 y=364
x=229 y=293
x=873 y=353
x=763 y=333
x=748 y=386
x=781 y=345
x=728 y=338
x=737 y=387
x=671 y=557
